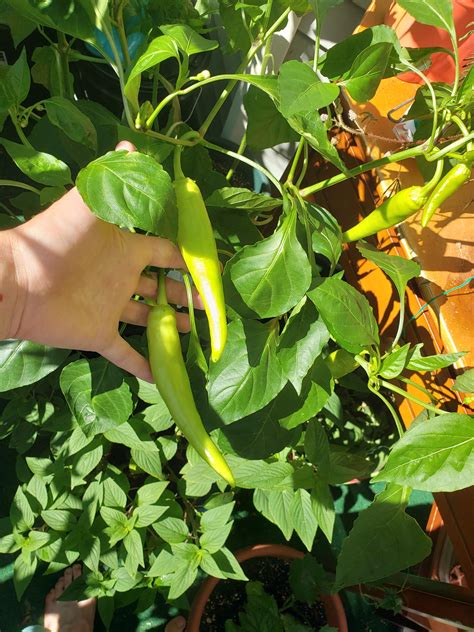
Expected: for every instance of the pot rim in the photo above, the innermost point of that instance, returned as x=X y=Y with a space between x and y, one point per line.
x=332 y=603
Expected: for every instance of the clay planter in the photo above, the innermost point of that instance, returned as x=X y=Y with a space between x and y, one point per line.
x=332 y=603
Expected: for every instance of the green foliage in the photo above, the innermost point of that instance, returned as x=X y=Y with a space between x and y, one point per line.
x=102 y=474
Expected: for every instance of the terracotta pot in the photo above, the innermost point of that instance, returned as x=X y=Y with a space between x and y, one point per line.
x=335 y=614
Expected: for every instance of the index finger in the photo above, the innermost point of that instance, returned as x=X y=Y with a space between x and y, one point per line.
x=161 y=252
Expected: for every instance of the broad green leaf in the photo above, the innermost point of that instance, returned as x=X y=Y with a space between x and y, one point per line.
x=316 y=447
x=277 y=507
x=133 y=434
x=23 y=570
x=418 y=362
x=64 y=114
x=439 y=13
x=233 y=228
x=235 y=197
x=159 y=49
x=367 y=71
x=97 y=394
x=339 y=59
x=130 y=189
x=347 y=314
x=326 y=234
x=248 y=375
x=217 y=517
x=311 y=127
x=14 y=83
x=150 y=493
x=466 y=93
x=148 y=514
x=172 y=530
x=261 y=612
x=23 y=362
x=266 y=126
x=323 y=507
x=37 y=165
x=271 y=276
x=187 y=39
x=212 y=540
x=301 y=342
x=398 y=269
x=308 y=579
x=302 y=91
x=259 y=474
x=260 y=435
x=345 y=465
x=436 y=455
x=465 y=382
x=59 y=519
x=222 y=564
x=21 y=514
x=383 y=541
x=37 y=489
x=19 y=27
x=47 y=72
x=395 y=362
x=85 y=461
x=10 y=543
x=304 y=519
x=115 y=492
x=134 y=547
x=149 y=461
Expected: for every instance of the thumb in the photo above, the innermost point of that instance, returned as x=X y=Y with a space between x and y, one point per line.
x=176 y=625
x=120 y=353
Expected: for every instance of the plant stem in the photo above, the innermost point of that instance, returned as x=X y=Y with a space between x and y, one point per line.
x=433 y=99
x=240 y=151
x=368 y=166
x=247 y=161
x=19 y=185
x=170 y=139
x=296 y=159
x=392 y=410
x=304 y=168
x=121 y=31
x=63 y=48
x=414 y=399
x=233 y=82
x=18 y=129
x=120 y=73
x=178 y=172
x=407 y=380
x=452 y=35
x=449 y=148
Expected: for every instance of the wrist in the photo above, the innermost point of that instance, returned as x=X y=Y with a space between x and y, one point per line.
x=11 y=302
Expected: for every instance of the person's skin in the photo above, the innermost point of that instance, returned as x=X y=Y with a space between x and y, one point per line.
x=78 y=616
x=67 y=279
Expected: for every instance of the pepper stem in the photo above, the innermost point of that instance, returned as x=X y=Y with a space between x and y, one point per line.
x=161 y=298
x=178 y=172
x=430 y=185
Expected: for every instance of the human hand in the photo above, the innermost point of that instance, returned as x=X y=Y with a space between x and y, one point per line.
x=76 y=275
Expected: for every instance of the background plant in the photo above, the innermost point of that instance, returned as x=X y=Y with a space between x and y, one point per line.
x=119 y=490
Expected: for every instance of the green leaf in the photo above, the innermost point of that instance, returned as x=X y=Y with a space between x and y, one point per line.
x=21 y=514
x=97 y=394
x=271 y=276
x=115 y=492
x=128 y=434
x=398 y=269
x=172 y=530
x=148 y=514
x=312 y=128
x=150 y=493
x=261 y=612
x=301 y=342
x=326 y=234
x=23 y=570
x=37 y=165
x=418 y=362
x=266 y=126
x=395 y=362
x=383 y=541
x=222 y=564
x=259 y=474
x=367 y=71
x=187 y=39
x=14 y=83
x=237 y=197
x=316 y=447
x=347 y=314
x=19 y=27
x=304 y=519
x=159 y=49
x=323 y=507
x=436 y=455
x=277 y=507
x=345 y=465
x=64 y=114
x=130 y=189
x=308 y=579
x=217 y=517
x=148 y=461
x=212 y=540
x=37 y=489
x=59 y=519
x=248 y=375
x=466 y=92
x=23 y=362
x=465 y=382
x=302 y=91
x=134 y=547
x=321 y=8
x=438 y=14
x=10 y=543
x=85 y=461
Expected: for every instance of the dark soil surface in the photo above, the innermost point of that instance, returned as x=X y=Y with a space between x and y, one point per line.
x=229 y=597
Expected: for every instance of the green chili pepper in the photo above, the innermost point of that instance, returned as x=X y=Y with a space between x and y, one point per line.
x=451 y=182
x=393 y=211
x=172 y=381
x=198 y=247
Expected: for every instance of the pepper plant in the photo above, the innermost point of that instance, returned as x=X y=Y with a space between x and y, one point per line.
x=104 y=476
